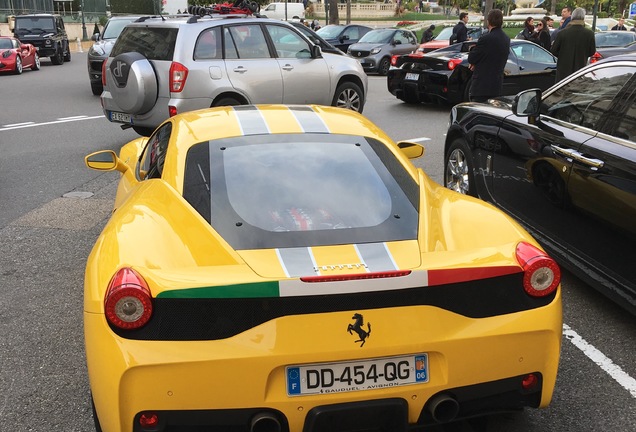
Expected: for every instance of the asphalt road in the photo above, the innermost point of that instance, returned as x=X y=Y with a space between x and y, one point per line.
x=52 y=208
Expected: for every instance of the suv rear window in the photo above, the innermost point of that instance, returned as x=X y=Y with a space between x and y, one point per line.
x=268 y=191
x=152 y=43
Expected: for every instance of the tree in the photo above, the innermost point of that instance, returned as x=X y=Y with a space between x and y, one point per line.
x=333 y=12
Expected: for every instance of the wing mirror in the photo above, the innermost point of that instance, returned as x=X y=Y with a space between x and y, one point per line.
x=105 y=160
x=411 y=150
x=527 y=104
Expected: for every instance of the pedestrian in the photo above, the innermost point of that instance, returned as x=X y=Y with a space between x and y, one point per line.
x=566 y=16
x=620 y=25
x=573 y=45
x=487 y=60
x=550 y=22
x=428 y=34
x=460 y=32
x=542 y=35
x=528 y=29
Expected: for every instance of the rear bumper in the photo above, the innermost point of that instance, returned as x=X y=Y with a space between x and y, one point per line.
x=477 y=363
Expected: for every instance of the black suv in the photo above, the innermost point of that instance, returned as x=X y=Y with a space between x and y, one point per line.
x=47 y=33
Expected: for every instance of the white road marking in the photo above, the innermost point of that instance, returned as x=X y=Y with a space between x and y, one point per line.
x=59 y=120
x=612 y=369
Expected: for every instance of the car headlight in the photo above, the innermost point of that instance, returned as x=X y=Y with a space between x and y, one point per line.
x=7 y=54
x=96 y=51
x=376 y=50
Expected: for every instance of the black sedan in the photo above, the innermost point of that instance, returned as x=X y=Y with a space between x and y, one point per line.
x=602 y=53
x=341 y=36
x=443 y=75
x=563 y=163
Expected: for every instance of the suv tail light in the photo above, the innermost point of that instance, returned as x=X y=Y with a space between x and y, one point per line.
x=595 y=57
x=178 y=77
x=542 y=274
x=452 y=63
x=128 y=303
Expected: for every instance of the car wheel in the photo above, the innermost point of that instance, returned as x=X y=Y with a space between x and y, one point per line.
x=97 y=88
x=58 y=57
x=143 y=131
x=383 y=67
x=98 y=428
x=135 y=89
x=349 y=95
x=18 y=65
x=467 y=91
x=226 y=101
x=67 y=56
x=458 y=169
x=36 y=62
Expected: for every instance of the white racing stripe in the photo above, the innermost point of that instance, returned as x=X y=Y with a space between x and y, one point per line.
x=612 y=369
x=60 y=120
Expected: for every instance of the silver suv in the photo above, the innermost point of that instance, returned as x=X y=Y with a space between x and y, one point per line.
x=163 y=66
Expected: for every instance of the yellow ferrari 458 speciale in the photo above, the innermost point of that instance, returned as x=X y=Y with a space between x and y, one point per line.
x=287 y=268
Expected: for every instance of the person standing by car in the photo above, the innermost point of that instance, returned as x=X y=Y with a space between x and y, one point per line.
x=460 y=32
x=487 y=59
x=573 y=46
x=566 y=17
x=528 y=29
x=620 y=25
x=543 y=35
x=427 y=36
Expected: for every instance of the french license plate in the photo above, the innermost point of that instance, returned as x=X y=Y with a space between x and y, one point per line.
x=357 y=375
x=120 y=117
x=412 y=76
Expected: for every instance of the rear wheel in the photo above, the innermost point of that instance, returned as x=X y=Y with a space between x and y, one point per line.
x=58 y=57
x=383 y=67
x=227 y=101
x=67 y=56
x=143 y=131
x=349 y=95
x=458 y=169
x=18 y=65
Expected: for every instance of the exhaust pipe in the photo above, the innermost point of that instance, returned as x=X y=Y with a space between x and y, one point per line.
x=443 y=408
x=265 y=422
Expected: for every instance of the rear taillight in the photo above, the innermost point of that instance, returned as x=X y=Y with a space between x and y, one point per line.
x=595 y=57
x=394 y=60
x=542 y=274
x=178 y=77
x=172 y=110
x=453 y=63
x=104 y=73
x=128 y=303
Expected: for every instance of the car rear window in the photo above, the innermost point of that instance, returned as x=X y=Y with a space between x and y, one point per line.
x=268 y=191
x=153 y=43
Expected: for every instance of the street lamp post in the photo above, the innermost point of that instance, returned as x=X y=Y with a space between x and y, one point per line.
x=84 y=35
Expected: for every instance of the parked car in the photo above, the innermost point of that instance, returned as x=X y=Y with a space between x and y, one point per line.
x=283 y=10
x=100 y=50
x=444 y=75
x=602 y=53
x=375 y=49
x=265 y=258
x=615 y=38
x=47 y=33
x=442 y=40
x=341 y=36
x=563 y=163
x=16 y=56
x=164 y=66
x=316 y=38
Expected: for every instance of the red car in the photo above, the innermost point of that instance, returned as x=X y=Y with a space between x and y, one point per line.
x=16 y=56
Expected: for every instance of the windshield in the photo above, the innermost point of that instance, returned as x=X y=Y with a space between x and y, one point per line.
x=378 y=36
x=445 y=34
x=5 y=44
x=617 y=39
x=266 y=191
x=330 y=31
x=34 y=24
x=113 y=28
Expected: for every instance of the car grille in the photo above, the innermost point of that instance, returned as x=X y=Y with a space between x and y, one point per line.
x=358 y=54
x=211 y=319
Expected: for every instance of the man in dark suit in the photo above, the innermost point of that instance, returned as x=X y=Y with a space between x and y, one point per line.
x=573 y=46
x=487 y=59
x=460 y=32
x=620 y=25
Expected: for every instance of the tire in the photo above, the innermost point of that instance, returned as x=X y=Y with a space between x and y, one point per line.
x=97 y=88
x=18 y=65
x=98 y=427
x=349 y=95
x=226 y=101
x=36 y=62
x=67 y=56
x=458 y=169
x=58 y=58
x=383 y=67
x=467 y=91
x=143 y=131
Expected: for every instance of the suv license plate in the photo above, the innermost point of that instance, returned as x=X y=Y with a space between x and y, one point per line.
x=120 y=117
x=412 y=76
x=322 y=378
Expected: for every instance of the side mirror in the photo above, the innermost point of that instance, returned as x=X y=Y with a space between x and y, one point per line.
x=95 y=37
x=344 y=38
x=527 y=104
x=316 y=52
x=105 y=160
x=411 y=150
x=397 y=42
